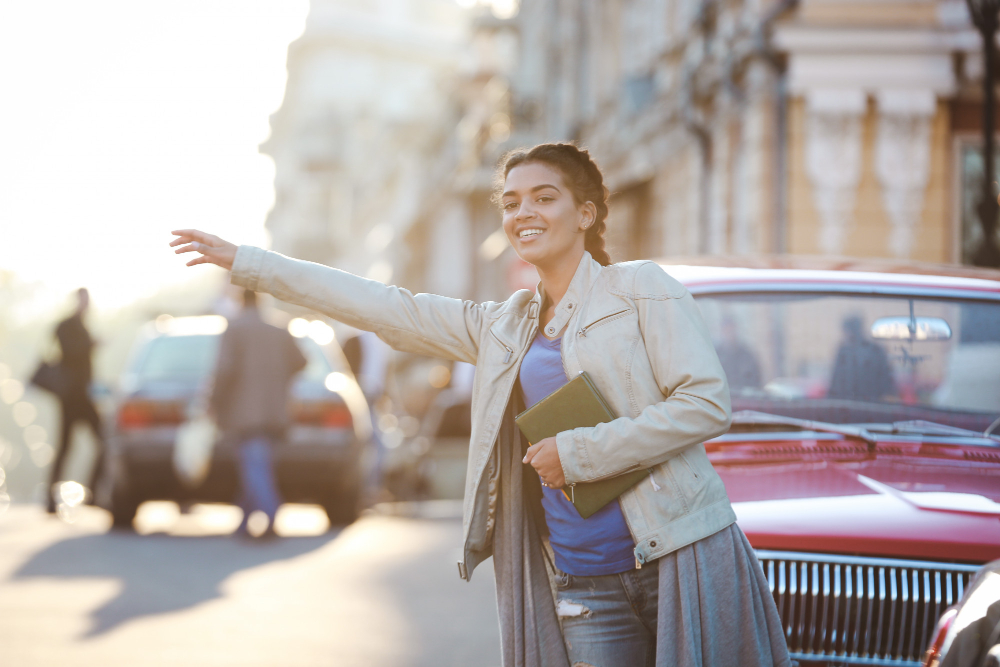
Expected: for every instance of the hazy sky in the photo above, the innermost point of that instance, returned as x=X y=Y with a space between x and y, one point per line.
x=123 y=119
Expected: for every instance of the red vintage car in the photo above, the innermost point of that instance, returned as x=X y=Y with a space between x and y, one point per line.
x=863 y=461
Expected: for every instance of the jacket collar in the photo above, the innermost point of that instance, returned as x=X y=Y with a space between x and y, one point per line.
x=584 y=278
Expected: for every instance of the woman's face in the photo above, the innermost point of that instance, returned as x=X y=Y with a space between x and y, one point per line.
x=540 y=217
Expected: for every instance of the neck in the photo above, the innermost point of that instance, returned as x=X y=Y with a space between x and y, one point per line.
x=556 y=278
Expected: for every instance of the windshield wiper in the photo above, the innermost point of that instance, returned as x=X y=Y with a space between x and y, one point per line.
x=924 y=427
x=754 y=418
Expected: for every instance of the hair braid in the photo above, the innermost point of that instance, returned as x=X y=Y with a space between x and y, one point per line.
x=584 y=179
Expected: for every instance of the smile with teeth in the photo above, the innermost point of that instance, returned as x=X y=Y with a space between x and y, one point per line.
x=524 y=233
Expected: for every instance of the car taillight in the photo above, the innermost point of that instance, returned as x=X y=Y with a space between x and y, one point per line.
x=140 y=414
x=330 y=415
x=933 y=655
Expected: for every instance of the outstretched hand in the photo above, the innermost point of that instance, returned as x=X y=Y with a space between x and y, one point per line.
x=543 y=456
x=213 y=249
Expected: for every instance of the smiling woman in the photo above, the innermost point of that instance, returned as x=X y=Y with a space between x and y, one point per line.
x=660 y=576
x=550 y=166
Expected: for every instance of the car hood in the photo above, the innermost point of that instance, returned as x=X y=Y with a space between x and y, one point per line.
x=900 y=499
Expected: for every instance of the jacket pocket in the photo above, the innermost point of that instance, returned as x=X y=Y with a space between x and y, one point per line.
x=508 y=350
x=604 y=319
x=687 y=465
x=670 y=494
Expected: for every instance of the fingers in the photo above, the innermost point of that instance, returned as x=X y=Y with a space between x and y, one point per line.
x=530 y=454
x=190 y=235
x=199 y=247
x=213 y=249
x=195 y=240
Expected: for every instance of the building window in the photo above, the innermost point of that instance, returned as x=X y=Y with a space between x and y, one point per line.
x=629 y=230
x=970 y=168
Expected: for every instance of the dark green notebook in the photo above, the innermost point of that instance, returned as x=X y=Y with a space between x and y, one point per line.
x=575 y=404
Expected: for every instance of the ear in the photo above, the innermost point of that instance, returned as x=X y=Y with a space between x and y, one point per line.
x=588 y=214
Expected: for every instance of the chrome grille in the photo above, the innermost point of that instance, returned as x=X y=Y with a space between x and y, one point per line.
x=853 y=610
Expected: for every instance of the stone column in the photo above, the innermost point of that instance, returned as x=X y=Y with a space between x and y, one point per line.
x=902 y=160
x=833 y=159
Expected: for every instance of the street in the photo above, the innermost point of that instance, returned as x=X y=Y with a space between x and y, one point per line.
x=183 y=591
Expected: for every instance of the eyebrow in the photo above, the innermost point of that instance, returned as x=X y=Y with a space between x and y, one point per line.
x=534 y=189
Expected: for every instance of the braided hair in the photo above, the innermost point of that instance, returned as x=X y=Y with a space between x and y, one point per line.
x=584 y=179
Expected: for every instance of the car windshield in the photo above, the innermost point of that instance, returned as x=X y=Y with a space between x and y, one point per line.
x=858 y=358
x=178 y=358
x=192 y=358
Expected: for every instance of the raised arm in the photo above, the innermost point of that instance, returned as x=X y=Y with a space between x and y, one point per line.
x=425 y=324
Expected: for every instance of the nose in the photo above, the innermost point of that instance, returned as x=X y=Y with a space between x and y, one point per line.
x=524 y=211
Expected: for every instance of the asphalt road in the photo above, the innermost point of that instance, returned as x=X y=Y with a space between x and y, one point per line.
x=184 y=592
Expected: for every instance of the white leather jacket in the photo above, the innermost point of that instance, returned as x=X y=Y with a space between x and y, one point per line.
x=635 y=330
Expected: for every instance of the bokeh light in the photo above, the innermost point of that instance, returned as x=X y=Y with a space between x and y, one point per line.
x=337 y=382
x=321 y=332
x=439 y=377
x=11 y=391
x=72 y=493
x=298 y=327
x=24 y=413
x=42 y=455
x=34 y=435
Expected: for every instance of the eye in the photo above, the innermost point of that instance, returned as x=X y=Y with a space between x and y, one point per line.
x=545 y=198
x=509 y=205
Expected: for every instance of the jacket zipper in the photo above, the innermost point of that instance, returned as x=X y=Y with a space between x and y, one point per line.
x=506 y=359
x=461 y=566
x=582 y=333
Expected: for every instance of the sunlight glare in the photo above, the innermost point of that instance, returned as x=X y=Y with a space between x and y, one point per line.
x=122 y=121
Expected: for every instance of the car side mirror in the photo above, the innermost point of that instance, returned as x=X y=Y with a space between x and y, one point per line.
x=910 y=328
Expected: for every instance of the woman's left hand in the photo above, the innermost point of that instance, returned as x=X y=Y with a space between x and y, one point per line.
x=544 y=458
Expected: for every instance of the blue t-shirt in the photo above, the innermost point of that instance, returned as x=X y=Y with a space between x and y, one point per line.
x=602 y=543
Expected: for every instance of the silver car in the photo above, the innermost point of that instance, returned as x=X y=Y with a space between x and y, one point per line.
x=319 y=462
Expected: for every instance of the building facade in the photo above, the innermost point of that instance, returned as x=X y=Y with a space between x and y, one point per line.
x=833 y=127
x=365 y=132
x=725 y=127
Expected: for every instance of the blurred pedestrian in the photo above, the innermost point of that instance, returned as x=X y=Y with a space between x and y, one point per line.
x=369 y=359
x=737 y=358
x=76 y=347
x=249 y=400
x=662 y=576
x=861 y=370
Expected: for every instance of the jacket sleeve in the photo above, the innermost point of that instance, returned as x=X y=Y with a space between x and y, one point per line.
x=696 y=405
x=425 y=324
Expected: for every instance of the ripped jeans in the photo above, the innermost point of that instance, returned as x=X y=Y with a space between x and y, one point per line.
x=610 y=620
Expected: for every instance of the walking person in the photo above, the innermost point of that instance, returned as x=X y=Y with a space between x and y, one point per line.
x=249 y=399
x=369 y=359
x=76 y=347
x=661 y=577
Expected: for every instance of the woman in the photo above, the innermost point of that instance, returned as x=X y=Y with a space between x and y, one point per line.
x=663 y=576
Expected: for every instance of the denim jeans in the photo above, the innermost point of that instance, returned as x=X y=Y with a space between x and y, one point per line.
x=610 y=620
x=257 y=478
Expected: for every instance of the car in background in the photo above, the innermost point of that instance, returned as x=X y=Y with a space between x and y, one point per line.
x=321 y=460
x=432 y=464
x=863 y=461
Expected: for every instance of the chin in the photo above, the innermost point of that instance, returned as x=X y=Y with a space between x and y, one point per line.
x=533 y=258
